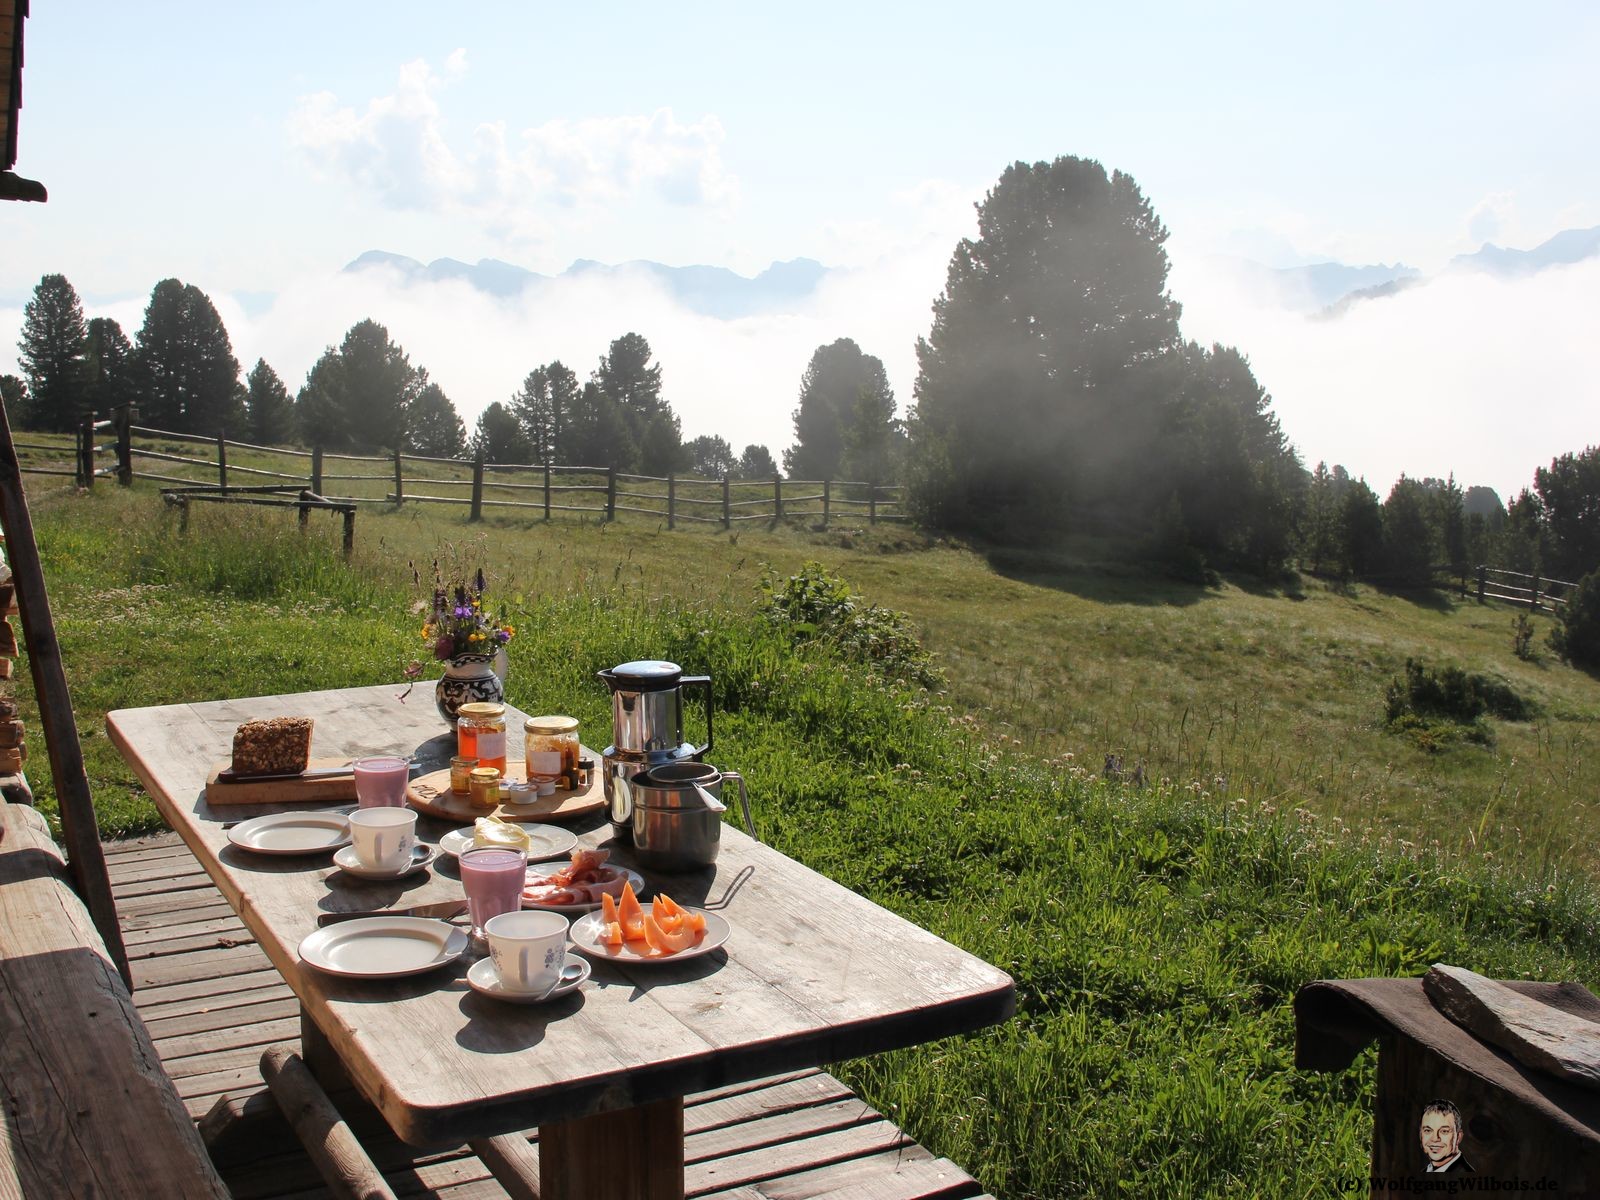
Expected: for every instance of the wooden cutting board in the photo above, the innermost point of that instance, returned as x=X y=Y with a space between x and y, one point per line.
x=282 y=791
x=431 y=794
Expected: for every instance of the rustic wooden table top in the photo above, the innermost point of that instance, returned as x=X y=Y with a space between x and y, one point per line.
x=811 y=974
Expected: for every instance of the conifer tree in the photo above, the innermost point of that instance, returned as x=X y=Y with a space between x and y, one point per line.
x=50 y=353
x=269 y=413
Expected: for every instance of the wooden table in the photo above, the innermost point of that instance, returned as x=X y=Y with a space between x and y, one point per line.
x=812 y=973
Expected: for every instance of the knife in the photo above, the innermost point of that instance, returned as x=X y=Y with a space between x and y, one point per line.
x=442 y=911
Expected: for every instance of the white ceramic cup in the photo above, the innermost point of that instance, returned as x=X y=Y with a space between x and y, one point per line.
x=383 y=837
x=529 y=949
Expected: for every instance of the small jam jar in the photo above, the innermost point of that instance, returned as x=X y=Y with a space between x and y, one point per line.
x=481 y=734
x=461 y=774
x=552 y=748
x=485 y=787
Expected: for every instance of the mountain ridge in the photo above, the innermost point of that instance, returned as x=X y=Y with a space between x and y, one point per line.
x=710 y=291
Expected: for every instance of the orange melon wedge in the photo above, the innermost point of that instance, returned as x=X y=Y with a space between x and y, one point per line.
x=630 y=915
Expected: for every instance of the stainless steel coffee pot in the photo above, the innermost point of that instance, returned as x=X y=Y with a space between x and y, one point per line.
x=647 y=706
x=647 y=730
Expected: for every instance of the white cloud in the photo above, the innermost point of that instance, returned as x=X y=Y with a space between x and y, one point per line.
x=1484 y=377
x=738 y=378
x=1492 y=219
x=398 y=150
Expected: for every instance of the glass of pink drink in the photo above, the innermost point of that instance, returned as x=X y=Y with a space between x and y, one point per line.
x=381 y=781
x=493 y=879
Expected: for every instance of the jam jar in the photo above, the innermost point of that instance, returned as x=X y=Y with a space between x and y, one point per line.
x=552 y=749
x=481 y=734
x=485 y=787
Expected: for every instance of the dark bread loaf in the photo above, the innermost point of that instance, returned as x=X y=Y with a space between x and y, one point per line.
x=279 y=746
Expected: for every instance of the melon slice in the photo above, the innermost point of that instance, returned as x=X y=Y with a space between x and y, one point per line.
x=630 y=915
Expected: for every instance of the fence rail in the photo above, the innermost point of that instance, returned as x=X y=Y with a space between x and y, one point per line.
x=401 y=478
x=1495 y=584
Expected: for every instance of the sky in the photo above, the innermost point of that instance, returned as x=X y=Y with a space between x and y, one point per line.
x=254 y=149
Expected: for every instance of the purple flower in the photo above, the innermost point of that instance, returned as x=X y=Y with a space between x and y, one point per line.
x=445 y=647
x=501 y=636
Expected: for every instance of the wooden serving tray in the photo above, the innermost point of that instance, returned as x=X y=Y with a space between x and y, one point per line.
x=281 y=791
x=431 y=794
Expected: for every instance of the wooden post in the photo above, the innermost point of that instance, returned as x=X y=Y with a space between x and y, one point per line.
x=399 y=479
x=329 y=1142
x=611 y=493
x=872 y=504
x=85 y=444
x=672 y=499
x=78 y=827
x=777 y=497
x=547 y=491
x=1536 y=591
x=349 y=530
x=124 y=423
x=477 y=487
x=305 y=509
x=222 y=459
x=316 y=469
x=727 y=509
x=826 y=489
x=1483 y=571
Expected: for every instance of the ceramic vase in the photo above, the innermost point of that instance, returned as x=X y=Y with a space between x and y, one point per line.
x=468 y=679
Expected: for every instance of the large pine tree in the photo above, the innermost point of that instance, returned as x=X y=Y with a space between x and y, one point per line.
x=186 y=375
x=842 y=390
x=433 y=426
x=1026 y=388
x=357 y=395
x=51 y=355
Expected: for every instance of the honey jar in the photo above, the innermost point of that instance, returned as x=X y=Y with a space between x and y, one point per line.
x=481 y=734
x=461 y=774
x=484 y=787
x=552 y=750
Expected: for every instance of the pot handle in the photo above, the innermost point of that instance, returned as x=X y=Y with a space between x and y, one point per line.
x=744 y=803
x=703 y=681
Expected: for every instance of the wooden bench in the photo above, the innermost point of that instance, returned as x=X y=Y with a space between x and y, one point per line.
x=88 y=1109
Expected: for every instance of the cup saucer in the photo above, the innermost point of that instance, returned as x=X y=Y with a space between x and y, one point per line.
x=421 y=856
x=483 y=978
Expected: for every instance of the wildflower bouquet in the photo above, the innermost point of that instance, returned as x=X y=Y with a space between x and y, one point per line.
x=460 y=623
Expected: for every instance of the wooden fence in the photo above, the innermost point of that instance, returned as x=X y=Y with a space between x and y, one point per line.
x=225 y=466
x=1515 y=587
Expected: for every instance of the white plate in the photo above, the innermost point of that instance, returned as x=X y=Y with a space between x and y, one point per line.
x=586 y=933
x=544 y=841
x=636 y=879
x=482 y=977
x=347 y=862
x=383 y=947
x=292 y=833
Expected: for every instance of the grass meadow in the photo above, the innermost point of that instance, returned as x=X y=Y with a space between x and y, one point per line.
x=1157 y=931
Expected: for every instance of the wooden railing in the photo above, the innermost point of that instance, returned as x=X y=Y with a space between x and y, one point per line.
x=1516 y=587
x=186 y=460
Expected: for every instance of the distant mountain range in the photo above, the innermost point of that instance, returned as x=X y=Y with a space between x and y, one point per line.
x=1330 y=289
x=710 y=291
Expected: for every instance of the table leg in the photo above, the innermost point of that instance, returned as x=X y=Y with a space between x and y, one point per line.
x=318 y=1053
x=630 y=1154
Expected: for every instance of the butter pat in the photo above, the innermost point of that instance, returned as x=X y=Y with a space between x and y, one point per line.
x=492 y=831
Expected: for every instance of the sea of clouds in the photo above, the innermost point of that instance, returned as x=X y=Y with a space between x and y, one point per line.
x=1469 y=374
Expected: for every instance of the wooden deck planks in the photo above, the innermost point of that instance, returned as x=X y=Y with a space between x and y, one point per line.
x=213 y=1002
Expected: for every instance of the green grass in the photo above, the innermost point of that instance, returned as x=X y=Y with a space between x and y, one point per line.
x=1156 y=934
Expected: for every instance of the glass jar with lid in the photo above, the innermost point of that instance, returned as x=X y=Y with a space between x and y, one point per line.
x=552 y=750
x=481 y=734
x=484 y=787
